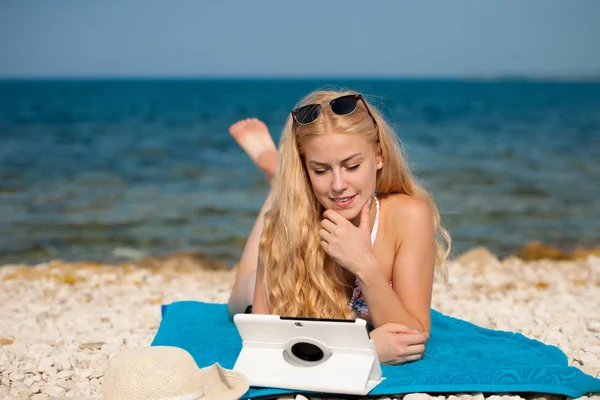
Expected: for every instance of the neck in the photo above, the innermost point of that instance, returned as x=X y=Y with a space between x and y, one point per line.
x=372 y=213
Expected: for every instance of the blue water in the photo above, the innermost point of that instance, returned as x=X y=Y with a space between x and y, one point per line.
x=102 y=170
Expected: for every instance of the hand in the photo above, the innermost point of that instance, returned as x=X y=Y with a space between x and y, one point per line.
x=348 y=245
x=398 y=344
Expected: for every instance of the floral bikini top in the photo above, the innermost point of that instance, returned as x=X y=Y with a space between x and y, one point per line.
x=358 y=304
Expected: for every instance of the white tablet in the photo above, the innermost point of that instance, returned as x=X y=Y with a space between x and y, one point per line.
x=320 y=355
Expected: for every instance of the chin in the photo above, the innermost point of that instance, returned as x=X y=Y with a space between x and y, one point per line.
x=349 y=213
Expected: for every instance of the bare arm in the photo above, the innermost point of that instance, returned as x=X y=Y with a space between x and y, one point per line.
x=259 y=304
x=248 y=261
x=409 y=302
x=242 y=293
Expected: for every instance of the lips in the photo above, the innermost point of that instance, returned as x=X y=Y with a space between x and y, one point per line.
x=343 y=199
x=343 y=202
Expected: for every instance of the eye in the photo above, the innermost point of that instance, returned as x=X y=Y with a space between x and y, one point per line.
x=352 y=167
x=319 y=171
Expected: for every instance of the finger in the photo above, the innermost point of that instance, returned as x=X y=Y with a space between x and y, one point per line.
x=413 y=357
x=413 y=339
x=325 y=236
x=365 y=217
x=325 y=246
x=335 y=217
x=398 y=328
x=404 y=358
x=328 y=225
x=416 y=349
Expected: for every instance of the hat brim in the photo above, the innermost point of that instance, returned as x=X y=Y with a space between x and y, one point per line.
x=222 y=384
x=217 y=383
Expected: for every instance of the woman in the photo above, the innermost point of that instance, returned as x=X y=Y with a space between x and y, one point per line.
x=346 y=231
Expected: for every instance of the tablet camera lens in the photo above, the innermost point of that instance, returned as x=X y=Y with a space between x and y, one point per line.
x=307 y=351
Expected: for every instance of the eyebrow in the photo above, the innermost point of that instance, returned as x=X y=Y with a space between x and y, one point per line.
x=343 y=161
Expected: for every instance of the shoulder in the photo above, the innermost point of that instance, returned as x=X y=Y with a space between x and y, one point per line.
x=407 y=218
x=407 y=210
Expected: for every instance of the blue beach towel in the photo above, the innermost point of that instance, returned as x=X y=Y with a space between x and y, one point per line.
x=460 y=357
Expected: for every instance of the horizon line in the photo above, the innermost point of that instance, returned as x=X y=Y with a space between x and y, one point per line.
x=552 y=77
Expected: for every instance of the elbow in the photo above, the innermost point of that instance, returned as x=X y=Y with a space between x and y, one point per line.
x=424 y=326
x=416 y=324
x=232 y=309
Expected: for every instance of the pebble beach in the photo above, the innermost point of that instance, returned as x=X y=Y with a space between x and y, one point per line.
x=61 y=322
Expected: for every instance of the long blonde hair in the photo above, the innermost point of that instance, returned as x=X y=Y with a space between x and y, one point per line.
x=300 y=279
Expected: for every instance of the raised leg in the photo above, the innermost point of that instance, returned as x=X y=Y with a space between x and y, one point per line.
x=253 y=136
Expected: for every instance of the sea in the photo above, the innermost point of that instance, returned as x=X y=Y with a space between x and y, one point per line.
x=110 y=170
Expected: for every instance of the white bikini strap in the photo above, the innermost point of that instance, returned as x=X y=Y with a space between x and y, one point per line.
x=376 y=225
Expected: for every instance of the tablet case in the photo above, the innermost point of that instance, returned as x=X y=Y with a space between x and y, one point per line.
x=319 y=355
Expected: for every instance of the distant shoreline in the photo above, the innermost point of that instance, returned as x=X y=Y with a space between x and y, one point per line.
x=525 y=78
x=194 y=258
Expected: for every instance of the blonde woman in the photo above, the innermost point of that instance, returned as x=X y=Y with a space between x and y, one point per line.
x=346 y=230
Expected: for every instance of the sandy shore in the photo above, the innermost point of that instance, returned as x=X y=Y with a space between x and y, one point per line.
x=61 y=322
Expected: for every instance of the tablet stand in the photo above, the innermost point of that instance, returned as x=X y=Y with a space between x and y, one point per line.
x=342 y=370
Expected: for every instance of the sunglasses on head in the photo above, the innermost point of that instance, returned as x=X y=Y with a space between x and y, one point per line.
x=344 y=105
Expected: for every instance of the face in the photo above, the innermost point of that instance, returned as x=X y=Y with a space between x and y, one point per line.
x=342 y=170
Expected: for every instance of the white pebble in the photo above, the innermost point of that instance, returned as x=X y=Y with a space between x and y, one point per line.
x=44 y=364
x=417 y=396
x=86 y=373
x=53 y=391
x=16 y=376
x=65 y=374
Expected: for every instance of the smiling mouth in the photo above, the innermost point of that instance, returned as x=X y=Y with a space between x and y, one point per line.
x=343 y=201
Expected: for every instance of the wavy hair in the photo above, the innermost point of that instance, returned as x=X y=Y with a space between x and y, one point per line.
x=300 y=279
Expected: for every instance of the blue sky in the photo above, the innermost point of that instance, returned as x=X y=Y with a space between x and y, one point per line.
x=423 y=38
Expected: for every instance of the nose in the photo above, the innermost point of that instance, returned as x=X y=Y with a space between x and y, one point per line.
x=339 y=184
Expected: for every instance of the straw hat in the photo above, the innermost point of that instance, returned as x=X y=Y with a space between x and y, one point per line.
x=168 y=373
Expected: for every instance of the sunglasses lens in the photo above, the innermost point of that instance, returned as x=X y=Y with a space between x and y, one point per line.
x=344 y=105
x=307 y=114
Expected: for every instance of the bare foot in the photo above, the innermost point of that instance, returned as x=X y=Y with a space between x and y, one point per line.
x=253 y=136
